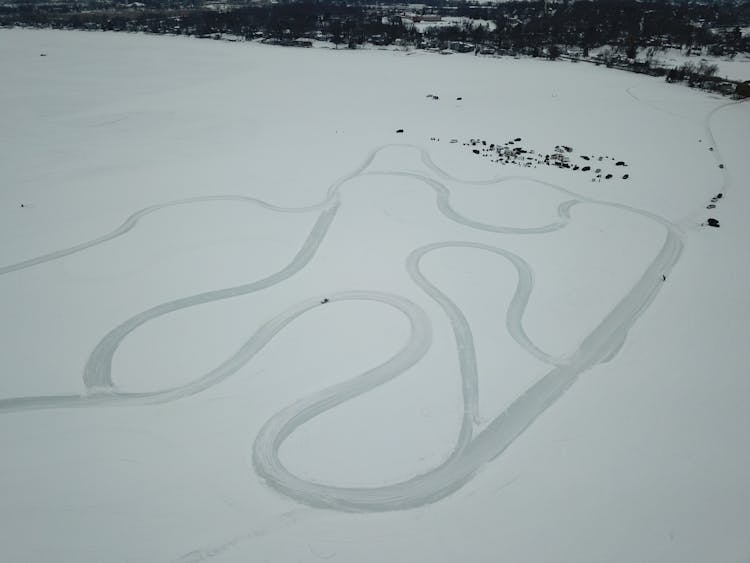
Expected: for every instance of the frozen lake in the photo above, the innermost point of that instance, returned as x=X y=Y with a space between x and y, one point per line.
x=244 y=318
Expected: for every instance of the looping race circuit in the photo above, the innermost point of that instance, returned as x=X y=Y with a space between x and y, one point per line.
x=474 y=447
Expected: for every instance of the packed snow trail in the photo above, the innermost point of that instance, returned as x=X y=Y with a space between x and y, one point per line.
x=473 y=448
x=441 y=192
x=718 y=158
x=132 y=221
x=471 y=451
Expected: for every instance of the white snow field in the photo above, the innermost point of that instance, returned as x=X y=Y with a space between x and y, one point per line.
x=500 y=373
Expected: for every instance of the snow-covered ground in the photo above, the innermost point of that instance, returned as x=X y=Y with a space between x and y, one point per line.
x=244 y=319
x=449 y=21
x=734 y=68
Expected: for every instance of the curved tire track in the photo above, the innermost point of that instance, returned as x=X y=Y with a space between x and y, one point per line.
x=133 y=219
x=472 y=449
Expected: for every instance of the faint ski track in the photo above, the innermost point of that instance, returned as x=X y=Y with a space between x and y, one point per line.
x=473 y=447
x=284 y=522
x=652 y=105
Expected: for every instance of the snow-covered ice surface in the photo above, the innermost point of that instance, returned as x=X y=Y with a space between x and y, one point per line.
x=500 y=372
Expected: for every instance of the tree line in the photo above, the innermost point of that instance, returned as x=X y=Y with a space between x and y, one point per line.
x=531 y=28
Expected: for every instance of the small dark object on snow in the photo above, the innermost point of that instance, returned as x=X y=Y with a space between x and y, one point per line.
x=584 y=157
x=663 y=277
x=517 y=139
x=475 y=151
x=719 y=196
x=608 y=176
x=324 y=301
x=626 y=176
x=710 y=206
x=42 y=54
x=459 y=99
x=710 y=148
x=22 y=205
x=399 y=130
x=619 y=163
x=721 y=166
x=586 y=168
x=712 y=222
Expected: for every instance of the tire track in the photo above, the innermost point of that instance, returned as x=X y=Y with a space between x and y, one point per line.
x=473 y=448
x=726 y=179
x=133 y=220
x=471 y=451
